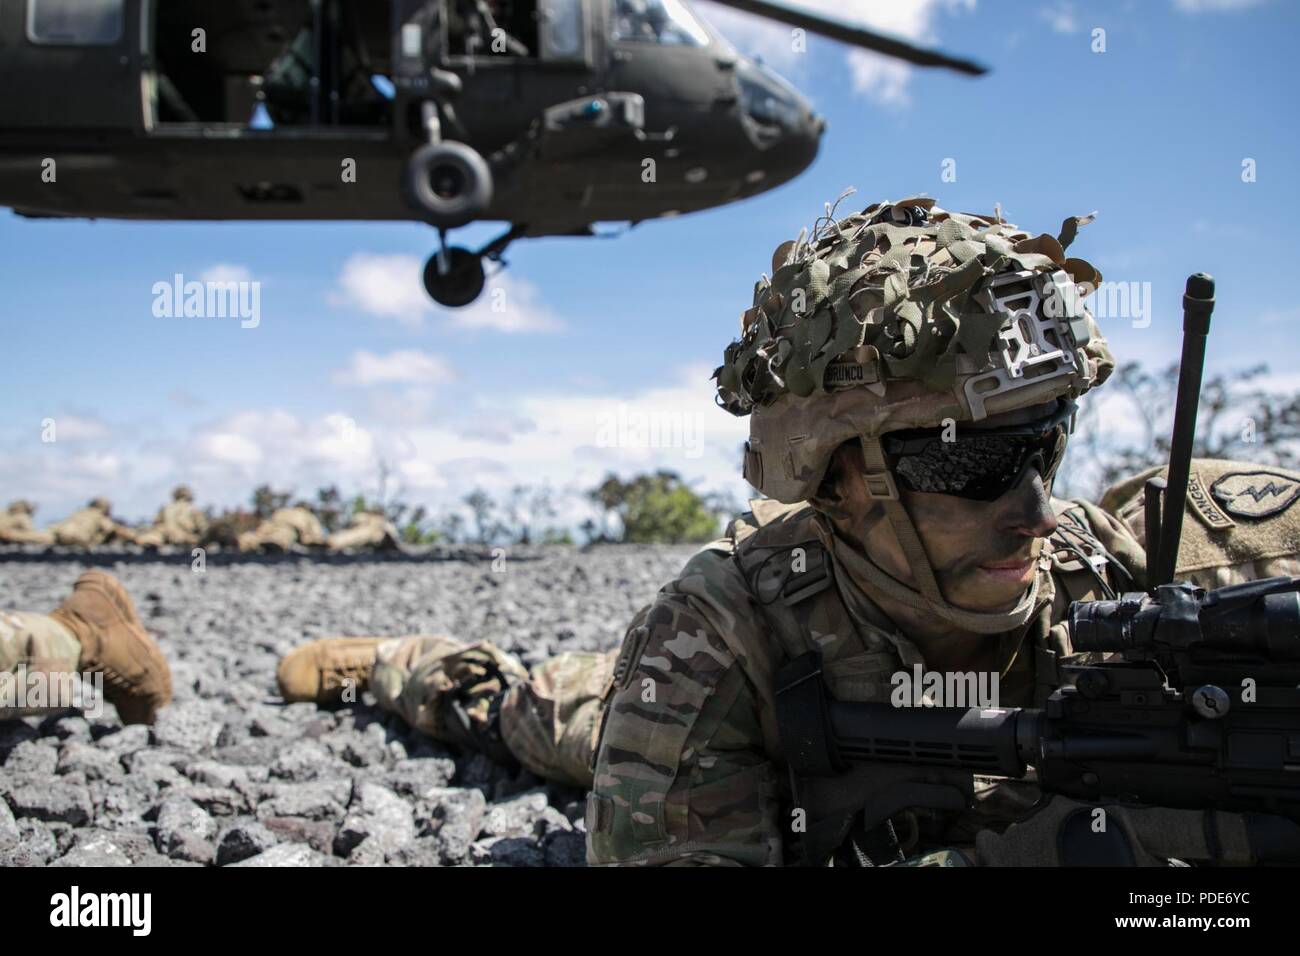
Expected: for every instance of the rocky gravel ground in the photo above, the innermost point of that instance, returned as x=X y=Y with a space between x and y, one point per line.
x=231 y=775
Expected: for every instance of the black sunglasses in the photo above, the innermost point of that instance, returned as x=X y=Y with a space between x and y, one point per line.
x=980 y=464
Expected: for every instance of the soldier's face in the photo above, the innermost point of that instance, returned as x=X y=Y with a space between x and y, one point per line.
x=984 y=553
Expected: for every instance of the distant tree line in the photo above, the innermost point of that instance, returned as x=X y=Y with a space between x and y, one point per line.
x=656 y=508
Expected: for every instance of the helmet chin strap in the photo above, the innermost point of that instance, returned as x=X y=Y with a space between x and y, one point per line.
x=926 y=596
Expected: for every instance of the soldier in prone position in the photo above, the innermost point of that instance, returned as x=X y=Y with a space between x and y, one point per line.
x=16 y=525
x=178 y=523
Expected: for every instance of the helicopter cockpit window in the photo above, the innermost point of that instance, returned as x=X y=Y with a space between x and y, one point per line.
x=75 y=22
x=656 y=21
x=562 y=30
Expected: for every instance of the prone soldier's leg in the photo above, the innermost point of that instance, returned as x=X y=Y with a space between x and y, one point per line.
x=474 y=696
x=479 y=697
x=551 y=722
x=34 y=648
x=95 y=630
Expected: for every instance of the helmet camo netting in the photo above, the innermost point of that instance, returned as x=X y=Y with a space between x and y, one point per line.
x=899 y=277
x=904 y=315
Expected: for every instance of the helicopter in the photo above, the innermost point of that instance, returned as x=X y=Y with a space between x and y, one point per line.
x=550 y=115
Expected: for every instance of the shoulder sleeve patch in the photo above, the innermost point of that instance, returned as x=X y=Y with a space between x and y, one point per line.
x=1201 y=504
x=1255 y=494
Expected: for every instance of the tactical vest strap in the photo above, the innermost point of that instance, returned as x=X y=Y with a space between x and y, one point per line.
x=785 y=564
x=1082 y=565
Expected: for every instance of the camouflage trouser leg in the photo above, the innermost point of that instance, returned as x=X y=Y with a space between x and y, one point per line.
x=32 y=644
x=548 y=721
x=273 y=537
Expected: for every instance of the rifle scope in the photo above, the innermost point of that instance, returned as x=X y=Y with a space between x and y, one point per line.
x=1258 y=617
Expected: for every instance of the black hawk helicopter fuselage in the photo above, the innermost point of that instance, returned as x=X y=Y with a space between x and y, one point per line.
x=551 y=115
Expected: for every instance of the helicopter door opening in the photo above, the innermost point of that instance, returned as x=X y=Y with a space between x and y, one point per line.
x=293 y=66
x=507 y=31
x=67 y=64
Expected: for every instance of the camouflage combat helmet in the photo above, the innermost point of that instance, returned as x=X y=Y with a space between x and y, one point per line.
x=182 y=493
x=904 y=316
x=21 y=507
x=100 y=504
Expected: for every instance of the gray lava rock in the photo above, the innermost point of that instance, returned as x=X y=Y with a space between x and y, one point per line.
x=518 y=816
x=138 y=847
x=122 y=803
x=306 y=760
x=67 y=727
x=94 y=848
x=378 y=818
x=14 y=732
x=507 y=851
x=8 y=825
x=219 y=801
x=565 y=848
x=288 y=854
x=254 y=752
x=35 y=845
x=128 y=740
x=225 y=776
x=185 y=830
x=191 y=726
x=316 y=834
x=243 y=840
x=415 y=778
x=315 y=800
x=422 y=851
x=64 y=803
x=78 y=757
x=457 y=819
x=33 y=756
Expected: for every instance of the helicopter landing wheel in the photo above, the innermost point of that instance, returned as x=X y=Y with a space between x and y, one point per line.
x=448 y=183
x=460 y=283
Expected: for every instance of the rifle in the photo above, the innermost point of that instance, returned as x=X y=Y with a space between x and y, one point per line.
x=1198 y=708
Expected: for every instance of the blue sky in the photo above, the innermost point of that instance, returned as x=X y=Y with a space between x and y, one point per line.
x=348 y=366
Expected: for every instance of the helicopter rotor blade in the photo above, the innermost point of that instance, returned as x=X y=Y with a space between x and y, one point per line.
x=855 y=36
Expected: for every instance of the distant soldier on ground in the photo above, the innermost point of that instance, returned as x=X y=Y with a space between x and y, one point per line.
x=370 y=529
x=92 y=526
x=288 y=529
x=16 y=525
x=179 y=523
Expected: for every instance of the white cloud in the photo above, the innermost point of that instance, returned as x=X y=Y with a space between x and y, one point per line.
x=399 y=367
x=79 y=428
x=387 y=286
x=228 y=448
x=277 y=447
x=499 y=425
x=1214 y=6
x=1060 y=16
x=879 y=78
x=411 y=405
x=508 y=304
x=392 y=287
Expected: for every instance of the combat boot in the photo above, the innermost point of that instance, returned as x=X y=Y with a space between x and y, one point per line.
x=99 y=613
x=321 y=670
